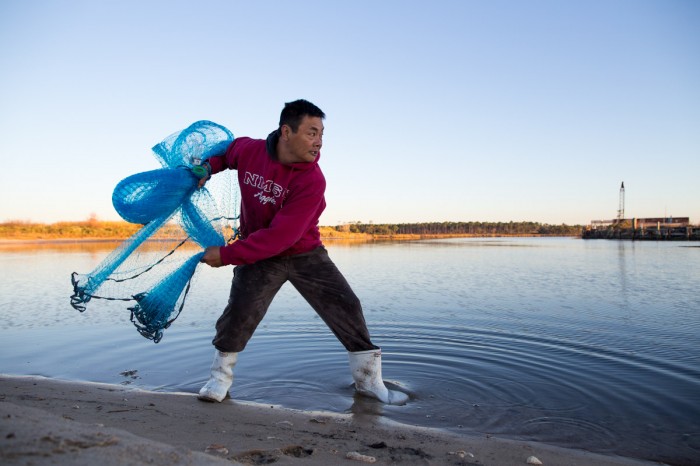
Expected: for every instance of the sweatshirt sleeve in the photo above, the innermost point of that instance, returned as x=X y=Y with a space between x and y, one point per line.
x=223 y=161
x=299 y=213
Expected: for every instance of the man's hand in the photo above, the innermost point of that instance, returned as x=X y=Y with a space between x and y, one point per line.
x=212 y=257
x=202 y=171
x=203 y=181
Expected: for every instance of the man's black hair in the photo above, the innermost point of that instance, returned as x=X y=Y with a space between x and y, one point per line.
x=294 y=112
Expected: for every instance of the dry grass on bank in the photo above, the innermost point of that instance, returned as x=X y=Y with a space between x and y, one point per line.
x=105 y=230
x=119 y=230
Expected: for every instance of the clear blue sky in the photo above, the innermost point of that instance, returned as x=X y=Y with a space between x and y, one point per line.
x=436 y=110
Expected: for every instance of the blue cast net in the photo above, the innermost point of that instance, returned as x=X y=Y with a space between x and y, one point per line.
x=154 y=269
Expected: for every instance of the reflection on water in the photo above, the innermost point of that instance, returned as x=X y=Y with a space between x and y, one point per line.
x=588 y=344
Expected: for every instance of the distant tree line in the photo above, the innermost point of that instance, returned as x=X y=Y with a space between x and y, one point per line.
x=462 y=228
x=93 y=228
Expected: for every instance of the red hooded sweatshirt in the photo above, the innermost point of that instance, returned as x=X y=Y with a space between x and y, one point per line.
x=280 y=204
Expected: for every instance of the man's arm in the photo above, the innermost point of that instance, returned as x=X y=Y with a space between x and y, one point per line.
x=299 y=213
x=219 y=162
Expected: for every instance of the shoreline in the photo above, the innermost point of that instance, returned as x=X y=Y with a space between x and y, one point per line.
x=48 y=421
x=330 y=239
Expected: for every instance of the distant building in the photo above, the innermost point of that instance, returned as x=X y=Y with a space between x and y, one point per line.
x=669 y=222
x=652 y=228
x=650 y=222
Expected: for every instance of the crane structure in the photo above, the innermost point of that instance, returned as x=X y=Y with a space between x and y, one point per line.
x=621 y=205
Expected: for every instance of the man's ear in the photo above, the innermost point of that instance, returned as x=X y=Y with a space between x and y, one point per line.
x=285 y=130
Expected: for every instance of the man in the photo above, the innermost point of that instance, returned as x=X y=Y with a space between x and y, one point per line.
x=282 y=197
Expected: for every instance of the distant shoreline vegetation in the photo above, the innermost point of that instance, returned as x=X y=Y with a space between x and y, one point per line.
x=117 y=230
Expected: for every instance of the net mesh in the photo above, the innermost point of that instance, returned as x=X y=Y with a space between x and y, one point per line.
x=154 y=269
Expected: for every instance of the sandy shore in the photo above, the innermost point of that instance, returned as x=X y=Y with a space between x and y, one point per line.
x=47 y=421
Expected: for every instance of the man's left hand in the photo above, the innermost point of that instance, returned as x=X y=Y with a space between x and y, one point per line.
x=212 y=256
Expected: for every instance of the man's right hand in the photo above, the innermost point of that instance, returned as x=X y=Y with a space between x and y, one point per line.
x=203 y=171
x=203 y=181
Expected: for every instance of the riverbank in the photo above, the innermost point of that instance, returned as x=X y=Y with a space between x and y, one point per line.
x=329 y=239
x=47 y=421
x=118 y=230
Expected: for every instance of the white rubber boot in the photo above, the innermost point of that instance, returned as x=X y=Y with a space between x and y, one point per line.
x=221 y=377
x=366 y=368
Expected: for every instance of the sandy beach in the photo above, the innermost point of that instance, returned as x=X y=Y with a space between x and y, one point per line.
x=47 y=421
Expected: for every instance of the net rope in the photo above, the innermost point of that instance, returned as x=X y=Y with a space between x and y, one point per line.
x=154 y=269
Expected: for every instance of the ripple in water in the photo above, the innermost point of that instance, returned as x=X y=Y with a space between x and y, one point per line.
x=591 y=345
x=568 y=432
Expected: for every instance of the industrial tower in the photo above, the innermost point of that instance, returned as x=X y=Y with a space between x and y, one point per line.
x=621 y=207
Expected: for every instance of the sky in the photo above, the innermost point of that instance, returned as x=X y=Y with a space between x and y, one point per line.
x=465 y=110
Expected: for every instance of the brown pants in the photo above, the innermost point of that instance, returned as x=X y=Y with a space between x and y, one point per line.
x=318 y=280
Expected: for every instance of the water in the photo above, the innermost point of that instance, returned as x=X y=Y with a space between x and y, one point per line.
x=585 y=344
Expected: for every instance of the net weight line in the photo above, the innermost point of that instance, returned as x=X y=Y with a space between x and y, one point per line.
x=79 y=300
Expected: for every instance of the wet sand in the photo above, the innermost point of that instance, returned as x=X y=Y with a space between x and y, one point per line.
x=47 y=421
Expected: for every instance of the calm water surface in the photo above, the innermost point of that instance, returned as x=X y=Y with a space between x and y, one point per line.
x=585 y=344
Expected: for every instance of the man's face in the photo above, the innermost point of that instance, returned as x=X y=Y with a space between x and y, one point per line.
x=305 y=144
